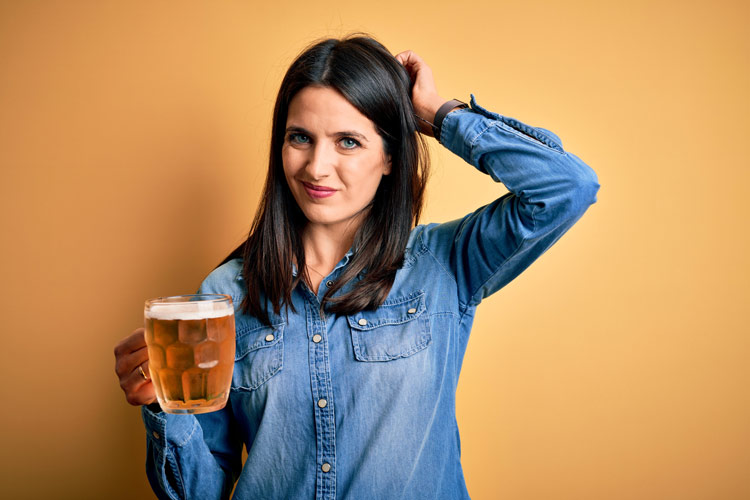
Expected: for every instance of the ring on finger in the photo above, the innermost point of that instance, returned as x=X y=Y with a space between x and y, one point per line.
x=143 y=374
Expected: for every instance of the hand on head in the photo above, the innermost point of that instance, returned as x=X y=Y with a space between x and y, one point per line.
x=425 y=97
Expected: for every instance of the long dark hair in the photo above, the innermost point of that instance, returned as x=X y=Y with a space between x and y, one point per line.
x=375 y=83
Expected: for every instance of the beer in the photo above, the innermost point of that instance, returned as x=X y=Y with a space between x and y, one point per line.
x=191 y=344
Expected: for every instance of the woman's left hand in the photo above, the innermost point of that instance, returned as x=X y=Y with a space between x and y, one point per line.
x=424 y=97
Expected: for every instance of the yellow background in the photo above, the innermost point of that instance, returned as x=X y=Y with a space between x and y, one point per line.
x=133 y=144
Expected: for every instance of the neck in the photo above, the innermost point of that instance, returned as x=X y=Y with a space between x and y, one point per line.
x=326 y=246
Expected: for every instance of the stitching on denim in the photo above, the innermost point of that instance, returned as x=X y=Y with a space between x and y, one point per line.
x=418 y=347
x=377 y=322
x=170 y=459
x=395 y=301
x=524 y=131
x=276 y=366
x=438 y=261
x=261 y=343
x=246 y=330
x=424 y=340
x=412 y=258
x=330 y=408
x=502 y=125
x=180 y=444
x=473 y=142
x=465 y=314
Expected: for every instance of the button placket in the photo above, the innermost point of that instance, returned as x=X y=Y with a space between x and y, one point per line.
x=322 y=390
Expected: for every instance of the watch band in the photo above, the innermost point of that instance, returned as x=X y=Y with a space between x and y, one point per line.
x=442 y=112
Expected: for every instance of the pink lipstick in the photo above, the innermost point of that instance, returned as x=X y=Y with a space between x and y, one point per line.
x=318 y=191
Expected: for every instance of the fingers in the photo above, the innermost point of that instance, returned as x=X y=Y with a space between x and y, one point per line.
x=131 y=343
x=138 y=390
x=425 y=97
x=130 y=354
x=127 y=367
x=143 y=395
x=128 y=363
x=415 y=66
x=409 y=58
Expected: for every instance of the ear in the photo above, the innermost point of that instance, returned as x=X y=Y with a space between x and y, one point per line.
x=387 y=166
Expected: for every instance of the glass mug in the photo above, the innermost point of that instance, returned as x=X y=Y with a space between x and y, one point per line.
x=191 y=344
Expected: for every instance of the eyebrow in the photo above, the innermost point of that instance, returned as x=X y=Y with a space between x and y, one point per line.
x=342 y=133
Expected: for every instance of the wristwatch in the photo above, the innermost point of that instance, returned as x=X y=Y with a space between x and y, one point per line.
x=442 y=112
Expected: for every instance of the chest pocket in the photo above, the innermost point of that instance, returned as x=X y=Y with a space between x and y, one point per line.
x=259 y=355
x=397 y=329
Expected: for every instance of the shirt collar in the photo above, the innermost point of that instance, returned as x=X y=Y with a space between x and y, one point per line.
x=343 y=262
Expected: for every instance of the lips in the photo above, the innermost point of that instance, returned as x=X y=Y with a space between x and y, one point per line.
x=318 y=191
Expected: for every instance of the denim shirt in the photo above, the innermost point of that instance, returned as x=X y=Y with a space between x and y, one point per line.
x=363 y=406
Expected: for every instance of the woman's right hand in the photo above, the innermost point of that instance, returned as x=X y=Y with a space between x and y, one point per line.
x=130 y=354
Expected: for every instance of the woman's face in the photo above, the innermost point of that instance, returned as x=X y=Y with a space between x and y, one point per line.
x=333 y=158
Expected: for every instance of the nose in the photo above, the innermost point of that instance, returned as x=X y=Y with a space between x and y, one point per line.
x=320 y=162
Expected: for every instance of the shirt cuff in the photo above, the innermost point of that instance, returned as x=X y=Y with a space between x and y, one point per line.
x=168 y=429
x=461 y=128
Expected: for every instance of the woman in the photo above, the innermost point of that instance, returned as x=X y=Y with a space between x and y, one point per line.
x=354 y=395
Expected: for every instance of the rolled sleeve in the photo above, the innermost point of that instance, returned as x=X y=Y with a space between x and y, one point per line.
x=550 y=189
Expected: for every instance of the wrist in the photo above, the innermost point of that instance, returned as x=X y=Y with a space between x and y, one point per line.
x=154 y=407
x=431 y=108
x=442 y=112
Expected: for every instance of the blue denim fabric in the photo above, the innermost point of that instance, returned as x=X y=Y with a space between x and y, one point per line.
x=374 y=398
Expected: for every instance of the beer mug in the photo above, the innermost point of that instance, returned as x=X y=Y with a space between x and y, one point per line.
x=191 y=341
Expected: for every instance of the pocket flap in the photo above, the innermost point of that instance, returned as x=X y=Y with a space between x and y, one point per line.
x=253 y=337
x=396 y=312
x=397 y=329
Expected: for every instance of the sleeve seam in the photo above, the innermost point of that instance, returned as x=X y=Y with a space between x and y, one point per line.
x=437 y=261
x=474 y=140
x=169 y=456
x=180 y=444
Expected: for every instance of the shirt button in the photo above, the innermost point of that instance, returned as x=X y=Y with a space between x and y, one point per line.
x=412 y=310
x=155 y=434
x=325 y=467
x=269 y=337
x=329 y=283
x=317 y=338
x=322 y=403
x=362 y=322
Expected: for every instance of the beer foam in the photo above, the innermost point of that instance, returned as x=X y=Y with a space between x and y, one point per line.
x=189 y=310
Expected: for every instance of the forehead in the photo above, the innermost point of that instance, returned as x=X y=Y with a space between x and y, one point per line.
x=324 y=109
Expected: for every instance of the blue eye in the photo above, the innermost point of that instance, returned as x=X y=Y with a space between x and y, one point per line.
x=298 y=138
x=349 y=143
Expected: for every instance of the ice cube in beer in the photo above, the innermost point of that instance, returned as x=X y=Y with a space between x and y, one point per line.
x=156 y=357
x=179 y=356
x=226 y=351
x=194 y=384
x=216 y=381
x=192 y=331
x=219 y=328
x=171 y=384
x=165 y=331
x=207 y=354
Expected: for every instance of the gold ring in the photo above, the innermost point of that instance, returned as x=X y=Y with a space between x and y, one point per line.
x=140 y=369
